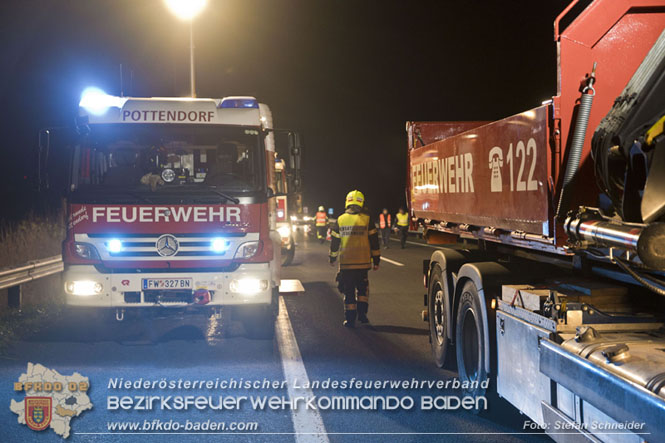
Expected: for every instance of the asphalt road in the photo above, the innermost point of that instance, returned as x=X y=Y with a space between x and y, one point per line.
x=311 y=344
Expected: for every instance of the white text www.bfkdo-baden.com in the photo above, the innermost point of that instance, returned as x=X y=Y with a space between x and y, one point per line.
x=158 y=425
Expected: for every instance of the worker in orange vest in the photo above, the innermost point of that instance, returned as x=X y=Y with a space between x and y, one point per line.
x=384 y=227
x=321 y=224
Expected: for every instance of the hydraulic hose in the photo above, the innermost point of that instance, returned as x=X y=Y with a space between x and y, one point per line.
x=640 y=279
x=576 y=145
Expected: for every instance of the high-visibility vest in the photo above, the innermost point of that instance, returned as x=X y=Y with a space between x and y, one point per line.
x=321 y=218
x=355 y=251
x=382 y=221
x=402 y=219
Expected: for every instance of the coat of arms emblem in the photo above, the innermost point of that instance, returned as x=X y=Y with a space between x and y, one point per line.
x=38 y=412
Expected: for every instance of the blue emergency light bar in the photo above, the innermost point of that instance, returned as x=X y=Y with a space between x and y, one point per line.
x=97 y=102
x=239 y=103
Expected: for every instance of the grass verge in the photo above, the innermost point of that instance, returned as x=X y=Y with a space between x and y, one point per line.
x=20 y=324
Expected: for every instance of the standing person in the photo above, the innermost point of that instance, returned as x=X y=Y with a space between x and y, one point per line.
x=356 y=243
x=384 y=226
x=321 y=224
x=402 y=226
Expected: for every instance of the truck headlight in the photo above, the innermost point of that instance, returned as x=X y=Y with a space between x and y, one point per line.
x=83 y=287
x=86 y=251
x=247 y=250
x=248 y=286
x=284 y=232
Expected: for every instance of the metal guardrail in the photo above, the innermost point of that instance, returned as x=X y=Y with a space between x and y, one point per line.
x=13 y=278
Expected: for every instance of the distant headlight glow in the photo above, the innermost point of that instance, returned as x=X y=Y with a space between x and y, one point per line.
x=284 y=231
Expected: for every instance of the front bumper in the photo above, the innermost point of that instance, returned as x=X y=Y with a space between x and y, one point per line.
x=124 y=290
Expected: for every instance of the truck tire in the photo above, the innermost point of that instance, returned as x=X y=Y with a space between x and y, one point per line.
x=470 y=339
x=437 y=308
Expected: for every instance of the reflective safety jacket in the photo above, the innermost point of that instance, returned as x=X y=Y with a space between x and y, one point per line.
x=402 y=219
x=321 y=218
x=355 y=240
x=384 y=221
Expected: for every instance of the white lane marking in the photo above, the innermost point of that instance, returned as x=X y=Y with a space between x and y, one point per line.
x=424 y=245
x=396 y=263
x=307 y=423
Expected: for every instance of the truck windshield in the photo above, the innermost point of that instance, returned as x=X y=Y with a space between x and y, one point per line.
x=149 y=161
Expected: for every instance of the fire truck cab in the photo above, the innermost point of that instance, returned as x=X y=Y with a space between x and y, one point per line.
x=172 y=204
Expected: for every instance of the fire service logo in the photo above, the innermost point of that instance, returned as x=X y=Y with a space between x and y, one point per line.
x=37 y=412
x=52 y=400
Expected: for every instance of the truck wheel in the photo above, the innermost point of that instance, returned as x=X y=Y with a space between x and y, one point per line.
x=470 y=339
x=437 y=304
x=289 y=253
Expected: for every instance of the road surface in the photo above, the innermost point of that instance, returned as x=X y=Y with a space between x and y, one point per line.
x=310 y=345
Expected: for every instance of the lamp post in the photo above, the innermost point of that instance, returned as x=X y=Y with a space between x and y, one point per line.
x=187 y=10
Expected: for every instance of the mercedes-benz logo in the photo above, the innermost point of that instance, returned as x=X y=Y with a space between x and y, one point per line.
x=167 y=245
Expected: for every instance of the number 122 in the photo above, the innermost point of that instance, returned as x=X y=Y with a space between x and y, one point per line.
x=521 y=152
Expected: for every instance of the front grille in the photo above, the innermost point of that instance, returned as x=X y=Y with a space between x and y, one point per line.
x=198 y=253
x=132 y=297
x=161 y=297
x=189 y=246
x=107 y=270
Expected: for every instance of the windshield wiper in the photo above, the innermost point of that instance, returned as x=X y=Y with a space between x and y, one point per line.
x=225 y=196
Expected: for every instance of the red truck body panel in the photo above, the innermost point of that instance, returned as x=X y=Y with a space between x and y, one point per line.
x=424 y=133
x=512 y=169
x=617 y=34
x=466 y=178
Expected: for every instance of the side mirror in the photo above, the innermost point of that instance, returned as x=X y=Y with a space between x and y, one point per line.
x=273 y=194
x=295 y=152
x=42 y=159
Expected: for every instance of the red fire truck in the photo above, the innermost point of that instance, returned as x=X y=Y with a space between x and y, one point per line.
x=171 y=204
x=552 y=285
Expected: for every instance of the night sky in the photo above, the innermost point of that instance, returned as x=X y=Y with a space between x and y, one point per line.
x=346 y=74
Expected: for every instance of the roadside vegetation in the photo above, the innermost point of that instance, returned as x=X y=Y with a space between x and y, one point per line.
x=32 y=238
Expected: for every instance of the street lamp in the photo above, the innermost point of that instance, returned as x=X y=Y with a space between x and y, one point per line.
x=187 y=10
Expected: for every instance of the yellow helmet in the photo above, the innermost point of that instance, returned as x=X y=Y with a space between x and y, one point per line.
x=321 y=208
x=355 y=197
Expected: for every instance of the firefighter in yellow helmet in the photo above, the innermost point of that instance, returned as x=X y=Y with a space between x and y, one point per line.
x=355 y=242
x=321 y=224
